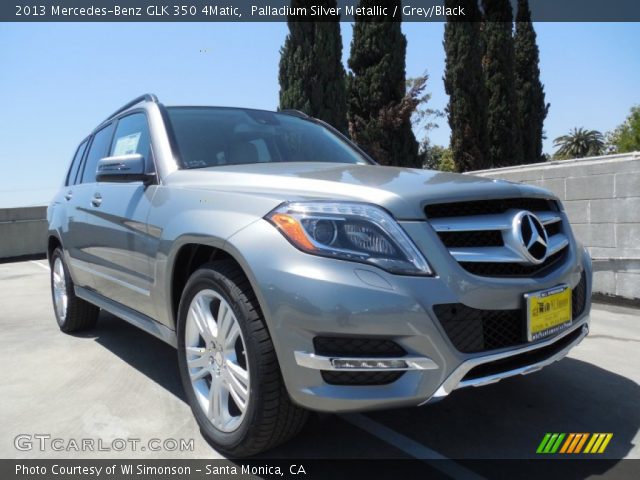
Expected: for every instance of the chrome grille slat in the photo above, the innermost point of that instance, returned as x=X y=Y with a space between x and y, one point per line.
x=548 y=218
x=502 y=254
x=471 y=224
x=485 y=254
x=514 y=270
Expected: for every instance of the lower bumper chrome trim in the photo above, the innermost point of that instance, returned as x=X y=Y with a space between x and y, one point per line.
x=319 y=362
x=455 y=380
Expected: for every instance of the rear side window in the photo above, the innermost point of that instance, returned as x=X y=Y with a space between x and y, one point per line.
x=75 y=165
x=132 y=136
x=98 y=149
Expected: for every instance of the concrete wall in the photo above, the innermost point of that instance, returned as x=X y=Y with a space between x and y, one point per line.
x=23 y=231
x=602 y=198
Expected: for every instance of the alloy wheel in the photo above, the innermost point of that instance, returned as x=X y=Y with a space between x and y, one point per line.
x=60 y=297
x=216 y=360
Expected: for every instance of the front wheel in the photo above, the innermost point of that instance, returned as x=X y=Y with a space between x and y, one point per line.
x=72 y=313
x=228 y=365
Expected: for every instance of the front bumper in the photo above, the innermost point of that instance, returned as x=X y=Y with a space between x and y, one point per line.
x=523 y=361
x=304 y=296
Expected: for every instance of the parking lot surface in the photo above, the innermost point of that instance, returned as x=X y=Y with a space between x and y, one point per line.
x=119 y=382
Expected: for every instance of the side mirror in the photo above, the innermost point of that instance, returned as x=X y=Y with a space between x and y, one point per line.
x=122 y=168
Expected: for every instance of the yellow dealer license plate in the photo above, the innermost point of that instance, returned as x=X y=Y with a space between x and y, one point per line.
x=548 y=312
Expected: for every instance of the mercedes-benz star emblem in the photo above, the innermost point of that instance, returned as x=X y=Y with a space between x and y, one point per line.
x=531 y=235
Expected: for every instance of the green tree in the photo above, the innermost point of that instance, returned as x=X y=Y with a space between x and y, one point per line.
x=446 y=163
x=440 y=158
x=626 y=137
x=312 y=77
x=379 y=106
x=498 y=64
x=424 y=119
x=464 y=83
x=579 y=143
x=432 y=155
x=530 y=100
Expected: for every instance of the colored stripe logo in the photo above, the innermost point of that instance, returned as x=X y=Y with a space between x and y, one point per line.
x=574 y=443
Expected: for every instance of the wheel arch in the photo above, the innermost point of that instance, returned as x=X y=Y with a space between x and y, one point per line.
x=53 y=242
x=192 y=255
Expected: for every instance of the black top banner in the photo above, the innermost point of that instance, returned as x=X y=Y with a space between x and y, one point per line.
x=282 y=10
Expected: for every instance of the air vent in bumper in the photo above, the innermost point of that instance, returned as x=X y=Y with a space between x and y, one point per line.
x=472 y=330
x=360 y=378
x=358 y=347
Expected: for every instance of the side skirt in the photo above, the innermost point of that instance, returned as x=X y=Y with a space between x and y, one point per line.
x=137 y=319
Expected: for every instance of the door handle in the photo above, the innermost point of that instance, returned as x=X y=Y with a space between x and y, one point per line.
x=96 y=201
x=69 y=195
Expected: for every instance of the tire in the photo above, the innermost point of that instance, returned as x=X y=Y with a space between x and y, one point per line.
x=77 y=315
x=258 y=416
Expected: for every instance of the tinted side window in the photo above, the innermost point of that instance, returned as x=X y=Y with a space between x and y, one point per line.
x=98 y=149
x=132 y=136
x=75 y=165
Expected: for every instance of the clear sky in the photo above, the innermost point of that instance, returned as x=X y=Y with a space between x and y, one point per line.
x=59 y=80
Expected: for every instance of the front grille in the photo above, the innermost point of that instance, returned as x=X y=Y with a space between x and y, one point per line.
x=505 y=269
x=488 y=207
x=472 y=330
x=482 y=236
x=358 y=347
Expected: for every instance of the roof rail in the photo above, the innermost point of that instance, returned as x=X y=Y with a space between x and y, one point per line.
x=295 y=113
x=147 y=97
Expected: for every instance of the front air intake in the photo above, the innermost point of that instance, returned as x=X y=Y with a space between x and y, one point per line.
x=473 y=330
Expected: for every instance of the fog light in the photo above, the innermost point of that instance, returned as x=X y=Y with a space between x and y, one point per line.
x=376 y=364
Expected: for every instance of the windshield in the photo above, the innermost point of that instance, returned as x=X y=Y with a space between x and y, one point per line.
x=215 y=136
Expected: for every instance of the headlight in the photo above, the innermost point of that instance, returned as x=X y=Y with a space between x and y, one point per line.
x=350 y=231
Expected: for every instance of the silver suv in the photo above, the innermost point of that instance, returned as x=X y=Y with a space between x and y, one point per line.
x=292 y=273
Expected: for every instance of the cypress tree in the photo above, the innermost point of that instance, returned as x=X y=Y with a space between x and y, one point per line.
x=312 y=77
x=379 y=112
x=464 y=83
x=531 y=106
x=498 y=62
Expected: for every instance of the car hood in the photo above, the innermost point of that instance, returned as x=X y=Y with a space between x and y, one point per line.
x=402 y=191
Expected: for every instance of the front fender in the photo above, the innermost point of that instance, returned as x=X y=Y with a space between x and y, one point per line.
x=179 y=217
